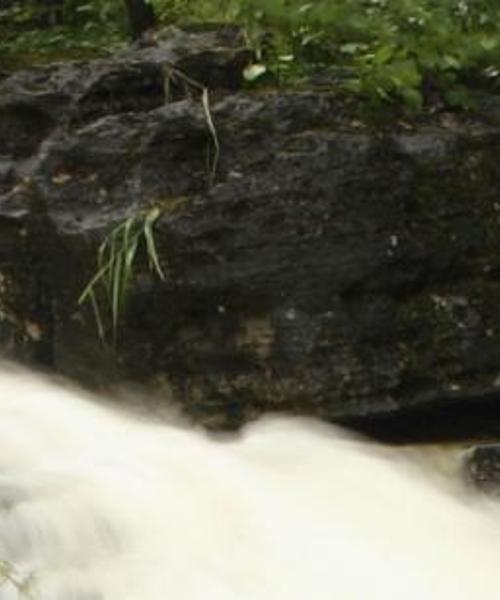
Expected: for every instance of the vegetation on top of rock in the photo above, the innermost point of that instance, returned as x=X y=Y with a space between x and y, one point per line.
x=414 y=53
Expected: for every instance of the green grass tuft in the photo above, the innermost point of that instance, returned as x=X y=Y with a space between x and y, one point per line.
x=109 y=288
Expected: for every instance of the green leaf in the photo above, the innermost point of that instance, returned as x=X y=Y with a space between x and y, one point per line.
x=253 y=72
x=406 y=73
x=458 y=97
x=353 y=85
x=489 y=43
x=412 y=98
x=351 y=48
x=154 y=261
x=117 y=290
x=383 y=55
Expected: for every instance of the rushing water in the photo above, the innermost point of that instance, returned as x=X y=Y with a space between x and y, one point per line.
x=102 y=506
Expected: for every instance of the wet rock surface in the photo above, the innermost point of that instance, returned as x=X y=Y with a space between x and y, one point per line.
x=315 y=265
x=482 y=468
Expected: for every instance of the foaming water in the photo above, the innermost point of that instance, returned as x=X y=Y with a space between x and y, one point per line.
x=101 y=506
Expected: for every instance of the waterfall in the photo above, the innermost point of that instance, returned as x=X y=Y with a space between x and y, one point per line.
x=99 y=504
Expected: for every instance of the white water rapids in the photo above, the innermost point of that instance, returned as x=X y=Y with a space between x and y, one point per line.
x=102 y=506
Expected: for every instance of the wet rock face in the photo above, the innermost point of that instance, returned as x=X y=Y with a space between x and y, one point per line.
x=482 y=468
x=314 y=264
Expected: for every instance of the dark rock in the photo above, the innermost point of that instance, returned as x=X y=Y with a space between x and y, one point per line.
x=330 y=268
x=482 y=468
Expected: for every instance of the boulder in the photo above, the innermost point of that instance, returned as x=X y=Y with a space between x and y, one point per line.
x=314 y=263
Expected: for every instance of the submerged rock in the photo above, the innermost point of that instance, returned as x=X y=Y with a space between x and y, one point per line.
x=315 y=264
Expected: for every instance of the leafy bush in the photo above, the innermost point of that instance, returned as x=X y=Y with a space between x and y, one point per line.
x=409 y=52
x=400 y=50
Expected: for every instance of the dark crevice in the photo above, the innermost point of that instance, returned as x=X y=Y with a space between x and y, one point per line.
x=449 y=417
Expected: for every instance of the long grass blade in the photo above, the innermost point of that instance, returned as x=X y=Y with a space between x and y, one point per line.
x=97 y=316
x=205 y=99
x=111 y=243
x=89 y=288
x=117 y=290
x=153 y=258
x=129 y=247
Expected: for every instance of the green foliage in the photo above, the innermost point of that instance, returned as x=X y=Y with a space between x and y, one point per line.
x=33 y=31
x=30 y=32
x=395 y=50
x=409 y=52
x=175 y=11
x=109 y=288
